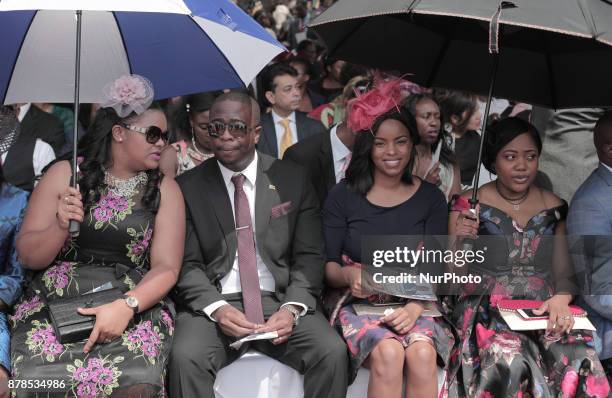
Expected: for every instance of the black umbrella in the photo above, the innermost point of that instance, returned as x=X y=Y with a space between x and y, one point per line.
x=555 y=53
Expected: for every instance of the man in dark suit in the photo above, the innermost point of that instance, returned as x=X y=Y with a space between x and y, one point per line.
x=39 y=124
x=40 y=136
x=284 y=125
x=253 y=263
x=325 y=157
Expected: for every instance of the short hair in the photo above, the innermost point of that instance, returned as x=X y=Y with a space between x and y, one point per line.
x=360 y=172
x=303 y=44
x=605 y=121
x=500 y=133
x=304 y=62
x=236 y=96
x=279 y=69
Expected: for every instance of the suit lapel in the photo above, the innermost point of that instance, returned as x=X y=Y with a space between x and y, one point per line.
x=300 y=125
x=266 y=197
x=221 y=204
x=269 y=136
x=327 y=162
x=605 y=174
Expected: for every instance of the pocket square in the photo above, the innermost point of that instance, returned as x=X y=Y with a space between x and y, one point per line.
x=281 y=209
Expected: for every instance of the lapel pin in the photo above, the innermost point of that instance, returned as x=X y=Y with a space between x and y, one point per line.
x=272 y=187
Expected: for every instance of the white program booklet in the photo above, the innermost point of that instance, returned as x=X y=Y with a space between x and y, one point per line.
x=252 y=337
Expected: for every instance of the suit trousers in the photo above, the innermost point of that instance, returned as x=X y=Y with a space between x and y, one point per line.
x=200 y=349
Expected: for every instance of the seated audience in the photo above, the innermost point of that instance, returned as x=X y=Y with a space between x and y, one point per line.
x=253 y=263
x=131 y=238
x=522 y=262
x=22 y=155
x=192 y=117
x=434 y=161
x=310 y=99
x=284 y=125
x=462 y=120
x=13 y=202
x=380 y=196
x=590 y=216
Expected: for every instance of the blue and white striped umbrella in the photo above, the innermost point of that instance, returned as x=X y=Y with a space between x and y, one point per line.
x=182 y=46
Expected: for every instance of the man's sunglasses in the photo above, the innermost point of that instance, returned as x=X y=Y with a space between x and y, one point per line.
x=236 y=128
x=152 y=133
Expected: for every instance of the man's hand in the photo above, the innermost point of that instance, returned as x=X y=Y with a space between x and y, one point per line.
x=282 y=322
x=233 y=322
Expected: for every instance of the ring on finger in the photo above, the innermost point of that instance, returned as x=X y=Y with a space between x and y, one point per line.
x=566 y=317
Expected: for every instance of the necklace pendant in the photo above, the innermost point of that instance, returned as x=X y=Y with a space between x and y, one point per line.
x=516 y=207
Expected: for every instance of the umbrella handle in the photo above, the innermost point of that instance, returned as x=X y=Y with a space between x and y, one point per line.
x=74 y=228
x=468 y=244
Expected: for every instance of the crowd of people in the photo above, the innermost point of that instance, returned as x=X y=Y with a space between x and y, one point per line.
x=223 y=214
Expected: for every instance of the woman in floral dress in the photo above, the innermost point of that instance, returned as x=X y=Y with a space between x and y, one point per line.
x=131 y=237
x=526 y=259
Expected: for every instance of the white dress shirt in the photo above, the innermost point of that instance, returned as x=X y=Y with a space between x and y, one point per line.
x=280 y=129
x=607 y=167
x=230 y=283
x=340 y=154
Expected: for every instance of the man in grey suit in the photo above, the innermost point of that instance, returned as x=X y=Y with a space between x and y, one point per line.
x=253 y=263
x=590 y=218
x=284 y=125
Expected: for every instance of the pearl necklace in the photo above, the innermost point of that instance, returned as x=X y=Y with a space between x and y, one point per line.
x=127 y=187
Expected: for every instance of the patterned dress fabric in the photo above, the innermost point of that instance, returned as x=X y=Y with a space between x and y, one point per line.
x=13 y=202
x=495 y=361
x=347 y=218
x=113 y=246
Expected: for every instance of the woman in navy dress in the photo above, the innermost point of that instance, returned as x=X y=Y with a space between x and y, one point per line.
x=381 y=197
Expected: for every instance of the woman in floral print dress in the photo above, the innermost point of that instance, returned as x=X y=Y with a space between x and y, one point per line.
x=131 y=236
x=523 y=228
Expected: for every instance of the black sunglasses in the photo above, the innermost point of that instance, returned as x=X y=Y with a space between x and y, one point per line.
x=152 y=133
x=236 y=128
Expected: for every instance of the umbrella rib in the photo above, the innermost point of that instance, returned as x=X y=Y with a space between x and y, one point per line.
x=25 y=35
x=123 y=42
x=191 y=17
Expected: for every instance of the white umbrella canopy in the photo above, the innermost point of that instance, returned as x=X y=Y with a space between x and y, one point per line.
x=181 y=46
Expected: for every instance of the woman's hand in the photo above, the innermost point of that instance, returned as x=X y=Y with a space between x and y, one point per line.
x=433 y=176
x=69 y=207
x=353 y=277
x=403 y=319
x=111 y=321
x=560 y=318
x=467 y=224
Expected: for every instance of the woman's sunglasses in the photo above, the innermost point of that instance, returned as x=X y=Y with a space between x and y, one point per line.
x=152 y=133
x=236 y=128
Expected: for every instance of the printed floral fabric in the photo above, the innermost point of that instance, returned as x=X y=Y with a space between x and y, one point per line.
x=363 y=332
x=495 y=361
x=113 y=246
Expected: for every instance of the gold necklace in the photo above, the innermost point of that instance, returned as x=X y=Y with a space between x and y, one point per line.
x=514 y=202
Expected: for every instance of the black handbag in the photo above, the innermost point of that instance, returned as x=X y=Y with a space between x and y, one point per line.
x=68 y=324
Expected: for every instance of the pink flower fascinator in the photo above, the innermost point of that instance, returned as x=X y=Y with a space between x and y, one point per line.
x=365 y=108
x=127 y=94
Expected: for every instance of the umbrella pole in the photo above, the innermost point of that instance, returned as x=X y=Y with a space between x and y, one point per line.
x=74 y=226
x=474 y=199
